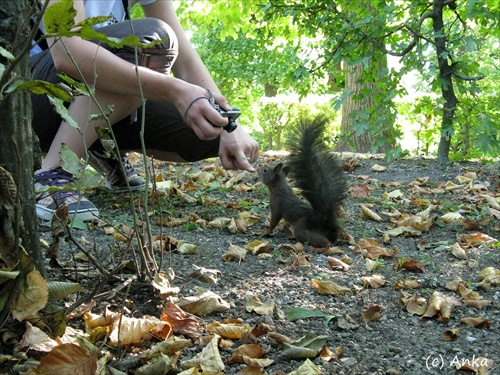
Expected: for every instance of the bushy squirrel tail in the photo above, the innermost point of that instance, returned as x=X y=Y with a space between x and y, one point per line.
x=317 y=172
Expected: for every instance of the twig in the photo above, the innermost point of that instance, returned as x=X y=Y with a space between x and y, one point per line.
x=92 y=259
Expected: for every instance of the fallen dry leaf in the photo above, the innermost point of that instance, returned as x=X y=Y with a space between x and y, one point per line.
x=208 y=359
x=279 y=338
x=35 y=339
x=451 y=334
x=417 y=222
x=32 y=296
x=477 y=304
x=476 y=239
x=162 y=283
x=247 y=350
x=301 y=260
x=205 y=275
x=478 y=365
x=126 y=330
x=234 y=253
x=258 y=247
x=347 y=323
x=415 y=305
x=370 y=248
x=467 y=293
x=369 y=214
x=259 y=307
x=308 y=346
x=179 y=320
x=219 y=223
x=371 y=264
x=68 y=359
x=447 y=307
x=478 y=322
x=234 y=330
x=378 y=168
x=203 y=302
x=309 y=368
x=409 y=265
x=458 y=251
x=372 y=313
x=407 y=284
x=375 y=281
x=360 y=191
x=452 y=217
x=337 y=264
x=329 y=287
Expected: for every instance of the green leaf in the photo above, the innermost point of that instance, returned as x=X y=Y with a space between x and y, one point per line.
x=77 y=85
x=189 y=227
x=43 y=88
x=6 y=54
x=91 y=21
x=59 y=289
x=70 y=162
x=63 y=111
x=59 y=17
x=78 y=224
x=106 y=113
x=88 y=179
x=304 y=313
x=7 y=275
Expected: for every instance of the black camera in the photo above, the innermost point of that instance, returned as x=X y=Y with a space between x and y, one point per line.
x=231 y=115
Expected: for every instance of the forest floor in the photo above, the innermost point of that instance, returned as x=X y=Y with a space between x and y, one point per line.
x=416 y=290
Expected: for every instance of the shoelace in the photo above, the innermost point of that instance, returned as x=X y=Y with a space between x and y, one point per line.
x=129 y=170
x=54 y=177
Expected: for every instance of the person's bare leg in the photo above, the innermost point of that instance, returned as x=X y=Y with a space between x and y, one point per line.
x=79 y=140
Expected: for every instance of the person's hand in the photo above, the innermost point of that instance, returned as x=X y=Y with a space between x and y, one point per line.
x=198 y=113
x=237 y=150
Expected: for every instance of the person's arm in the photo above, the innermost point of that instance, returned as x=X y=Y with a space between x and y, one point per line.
x=188 y=65
x=110 y=73
x=237 y=149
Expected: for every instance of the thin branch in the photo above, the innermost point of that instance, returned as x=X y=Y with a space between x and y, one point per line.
x=327 y=61
x=466 y=78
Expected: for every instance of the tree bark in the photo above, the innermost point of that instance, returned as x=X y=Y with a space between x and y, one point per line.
x=359 y=107
x=445 y=82
x=16 y=142
x=349 y=141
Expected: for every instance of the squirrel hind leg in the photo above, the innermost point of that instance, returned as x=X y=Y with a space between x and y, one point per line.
x=334 y=234
x=313 y=239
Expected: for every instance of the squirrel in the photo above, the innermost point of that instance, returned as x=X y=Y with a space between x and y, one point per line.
x=318 y=173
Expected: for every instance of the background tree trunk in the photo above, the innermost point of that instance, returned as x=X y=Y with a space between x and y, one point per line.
x=445 y=82
x=16 y=137
x=349 y=141
x=360 y=107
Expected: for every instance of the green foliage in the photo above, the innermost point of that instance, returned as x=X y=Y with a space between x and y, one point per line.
x=86 y=178
x=304 y=313
x=298 y=47
x=274 y=116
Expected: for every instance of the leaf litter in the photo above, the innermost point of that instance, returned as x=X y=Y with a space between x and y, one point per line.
x=422 y=242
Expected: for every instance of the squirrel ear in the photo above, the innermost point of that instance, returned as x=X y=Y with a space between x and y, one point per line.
x=278 y=168
x=286 y=170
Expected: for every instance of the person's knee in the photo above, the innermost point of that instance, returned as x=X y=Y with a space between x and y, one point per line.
x=156 y=30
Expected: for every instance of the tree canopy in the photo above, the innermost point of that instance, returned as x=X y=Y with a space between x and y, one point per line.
x=444 y=48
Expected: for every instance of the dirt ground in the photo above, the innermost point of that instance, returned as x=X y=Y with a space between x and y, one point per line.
x=395 y=341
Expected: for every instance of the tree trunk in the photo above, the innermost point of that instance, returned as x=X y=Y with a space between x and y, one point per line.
x=349 y=140
x=16 y=143
x=360 y=108
x=446 y=83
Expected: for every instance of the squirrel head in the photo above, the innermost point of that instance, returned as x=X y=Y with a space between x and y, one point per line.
x=273 y=174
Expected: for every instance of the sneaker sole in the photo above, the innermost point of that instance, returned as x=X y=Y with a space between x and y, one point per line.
x=88 y=215
x=125 y=189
